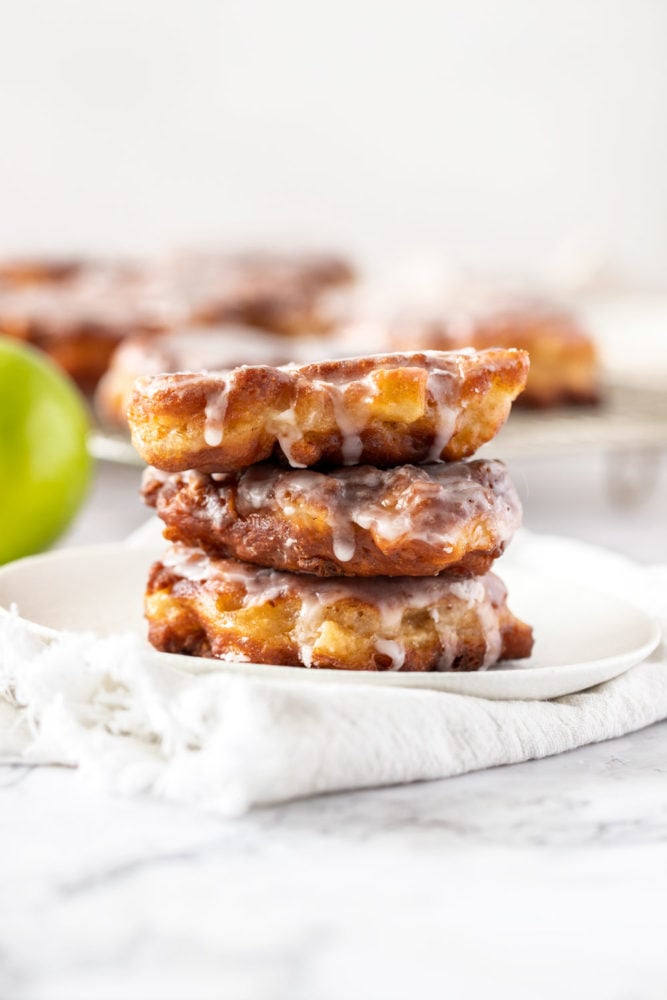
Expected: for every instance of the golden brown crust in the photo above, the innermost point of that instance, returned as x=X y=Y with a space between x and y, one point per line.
x=225 y=609
x=564 y=363
x=361 y=521
x=382 y=410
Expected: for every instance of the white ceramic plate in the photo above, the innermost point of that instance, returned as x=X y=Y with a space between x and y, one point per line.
x=582 y=637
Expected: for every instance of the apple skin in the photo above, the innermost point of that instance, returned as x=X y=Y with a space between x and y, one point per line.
x=45 y=467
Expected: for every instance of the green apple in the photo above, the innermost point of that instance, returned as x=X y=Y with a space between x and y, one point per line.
x=44 y=463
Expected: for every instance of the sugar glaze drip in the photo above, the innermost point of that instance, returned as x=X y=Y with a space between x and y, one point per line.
x=393 y=599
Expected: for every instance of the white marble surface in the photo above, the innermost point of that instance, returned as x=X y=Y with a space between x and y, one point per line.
x=545 y=879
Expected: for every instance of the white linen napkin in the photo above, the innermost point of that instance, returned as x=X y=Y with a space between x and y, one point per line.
x=227 y=743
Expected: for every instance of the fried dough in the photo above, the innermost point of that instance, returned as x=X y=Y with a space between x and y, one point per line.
x=228 y=610
x=382 y=410
x=361 y=521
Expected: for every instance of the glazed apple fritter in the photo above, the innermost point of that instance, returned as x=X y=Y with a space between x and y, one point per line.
x=228 y=610
x=381 y=410
x=361 y=521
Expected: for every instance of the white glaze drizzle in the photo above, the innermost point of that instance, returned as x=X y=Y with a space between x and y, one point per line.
x=394 y=650
x=351 y=416
x=189 y=563
x=344 y=546
x=430 y=504
x=349 y=424
x=285 y=427
x=214 y=412
x=441 y=386
x=392 y=598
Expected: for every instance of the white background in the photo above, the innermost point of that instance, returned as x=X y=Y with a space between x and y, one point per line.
x=520 y=134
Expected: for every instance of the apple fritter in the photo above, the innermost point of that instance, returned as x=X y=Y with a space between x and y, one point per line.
x=225 y=609
x=360 y=521
x=382 y=410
